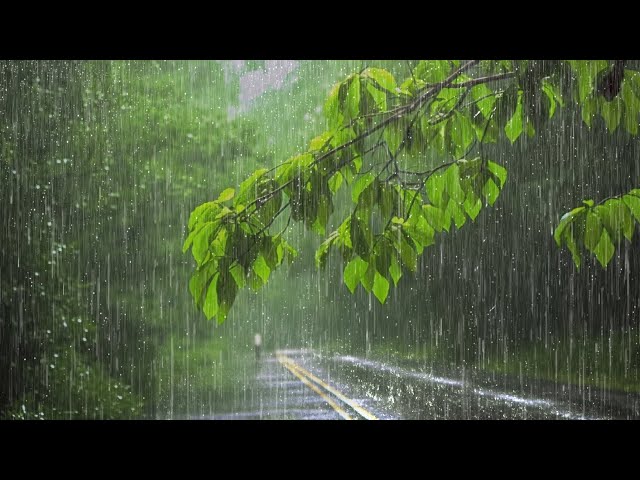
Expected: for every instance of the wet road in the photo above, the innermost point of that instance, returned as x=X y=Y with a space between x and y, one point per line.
x=303 y=384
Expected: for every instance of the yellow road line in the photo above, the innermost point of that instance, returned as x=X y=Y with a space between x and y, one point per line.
x=333 y=404
x=290 y=364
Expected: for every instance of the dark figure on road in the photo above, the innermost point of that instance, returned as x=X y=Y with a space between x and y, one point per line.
x=257 y=341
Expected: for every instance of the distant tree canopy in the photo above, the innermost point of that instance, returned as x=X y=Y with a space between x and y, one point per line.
x=411 y=154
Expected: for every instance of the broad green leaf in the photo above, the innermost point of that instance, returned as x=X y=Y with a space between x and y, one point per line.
x=421 y=233
x=435 y=186
x=589 y=109
x=472 y=205
x=360 y=237
x=633 y=202
x=237 y=272
x=407 y=254
x=368 y=278
x=432 y=71
x=605 y=249
x=485 y=99
x=362 y=182
x=380 y=287
x=593 y=231
x=567 y=236
x=261 y=268
x=248 y=187
x=210 y=307
x=202 y=212
x=566 y=219
x=382 y=77
x=454 y=211
x=335 y=182
x=379 y=97
x=201 y=242
x=394 y=135
x=462 y=133
x=199 y=281
x=611 y=112
x=353 y=273
x=513 y=128
x=227 y=290
x=452 y=184
x=352 y=109
x=434 y=216
x=490 y=191
x=320 y=142
x=587 y=72
x=332 y=106
x=226 y=195
x=499 y=171
x=293 y=167
x=395 y=270
x=631 y=104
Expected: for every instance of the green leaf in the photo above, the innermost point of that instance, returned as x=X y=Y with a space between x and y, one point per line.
x=631 y=108
x=360 y=185
x=210 y=307
x=452 y=184
x=605 y=249
x=335 y=182
x=247 y=187
x=628 y=224
x=454 y=211
x=485 y=98
x=499 y=171
x=352 y=110
x=434 y=216
x=199 y=281
x=472 y=205
x=237 y=272
x=380 y=287
x=382 y=77
x=633 y=202
x=421 y=233
x=462 y=133
x=226 y=291
x=566 y=219
x=567 y=236
x=513 y=128
x=395 y=270
x=360 y=237
x=593 y=231
x=320 y=142
x=436 y=185
x=394 y=135
x=589 y=109
x=611 y=112
x=353 y=273
x=588 y=203
x=407 y=254
x=201 y=242
x=202 y=213
x=226 y=195
x=490 y=191
x=261 y=268
x=332 y=106
x=432 y=71
x=368 y=278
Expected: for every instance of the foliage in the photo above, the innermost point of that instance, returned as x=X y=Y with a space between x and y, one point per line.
x=406 y=152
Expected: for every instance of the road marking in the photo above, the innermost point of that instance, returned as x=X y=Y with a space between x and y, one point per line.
x=333 y=404
x=301 y=373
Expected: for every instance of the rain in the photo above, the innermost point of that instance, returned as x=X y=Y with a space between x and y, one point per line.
x=497 y=315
